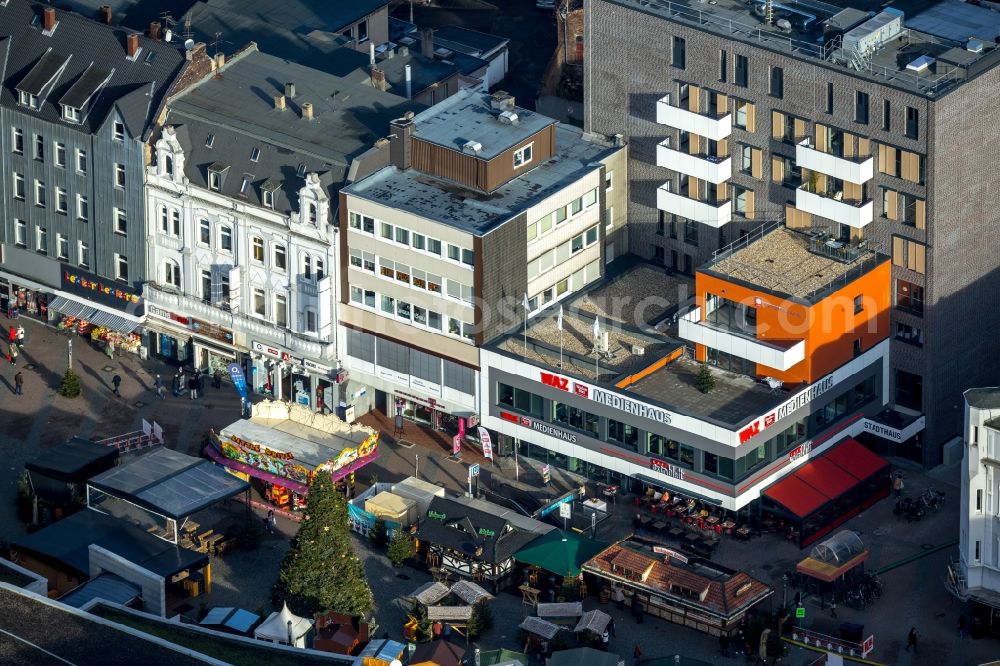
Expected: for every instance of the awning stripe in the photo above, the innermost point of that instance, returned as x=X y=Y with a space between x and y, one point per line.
x=71 y=308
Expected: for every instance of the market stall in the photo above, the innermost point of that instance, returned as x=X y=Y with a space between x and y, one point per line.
x=285 y=628
x=58 y=476
x=836 y=563
x=285 y=445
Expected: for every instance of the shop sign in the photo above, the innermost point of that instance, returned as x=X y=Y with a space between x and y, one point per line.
x=97 y=288
x=563 y=384
x=429 y=402
x=749 y=431
x=890 y=433
x=472 y=421
x=629 y=406
x=255 y=456
x=662 y=467
x=170 y=316
x=800 y=451
x=436 y=515
x=868 y=646
x=546 y=474
x=318 y=368
x=257 y=448
x=273 y=352
x=539 y=426
x=212 y=331
x=487 y=442
x=804 y=398
x=670 y=553
x=486 y=532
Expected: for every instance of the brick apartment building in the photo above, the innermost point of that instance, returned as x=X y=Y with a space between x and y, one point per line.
x=867 y=131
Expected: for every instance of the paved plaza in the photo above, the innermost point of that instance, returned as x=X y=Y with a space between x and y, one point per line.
x=914 y=592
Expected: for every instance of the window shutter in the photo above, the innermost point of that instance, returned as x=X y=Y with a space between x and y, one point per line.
x=852 y=191
x=777 y=125
x=898 y=251
x=777 y=169
x=722 y=148
x=916 y=257
x=694 y=99
x=892 y=204
x=822 y=137
x=864 y=146
x=850 y=146
x=911 y=166
x=755 y=162
x=721 y=103
x=694 y=144
x=799 y=127
x=751 y=117
x=722 y=191
x=921 y=213
x=749 y=205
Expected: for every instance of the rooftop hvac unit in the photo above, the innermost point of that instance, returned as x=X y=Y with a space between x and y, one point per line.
x=507 y=117
x=472 y=147
x=638 y=350
x=602 y=342
x=874 y=32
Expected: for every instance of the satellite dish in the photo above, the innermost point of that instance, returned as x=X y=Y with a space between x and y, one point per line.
x=188 y=44
x=168 y=35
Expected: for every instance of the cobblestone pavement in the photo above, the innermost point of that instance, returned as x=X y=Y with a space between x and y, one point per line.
x=914 y=592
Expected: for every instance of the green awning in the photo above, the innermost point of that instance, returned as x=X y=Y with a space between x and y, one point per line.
x=560 y=552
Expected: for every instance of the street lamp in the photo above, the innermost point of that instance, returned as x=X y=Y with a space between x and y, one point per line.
x=563 y=14
x=784 y=592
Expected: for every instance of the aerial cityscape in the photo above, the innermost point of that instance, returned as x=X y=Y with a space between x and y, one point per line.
x=475 y=332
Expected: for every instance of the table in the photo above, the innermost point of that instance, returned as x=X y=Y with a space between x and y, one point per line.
x=659 y=525
x=728 y=525
x=596 y=505
x=676 y=532
x=191 y=527
x=712 y=520
x=211 y=541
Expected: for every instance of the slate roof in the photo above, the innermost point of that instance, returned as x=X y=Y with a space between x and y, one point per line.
x=88 y=48
x=238 y=109
x=726 y=593
x=460 y=531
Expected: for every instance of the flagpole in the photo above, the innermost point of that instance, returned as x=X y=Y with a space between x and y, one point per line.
x=597 y=349
x=526 y=306
x=559 y=323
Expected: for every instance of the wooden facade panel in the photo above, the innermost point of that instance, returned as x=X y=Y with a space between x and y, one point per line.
x=756 y=157
x=501 y=169
x=921 y=213
x=797 y=219
x=777 y=125
x=694 y=99
x=799 y=127
x=751 y=112
x=892 y=204
x=721 y=104
x=822 y=137
x=750 y=204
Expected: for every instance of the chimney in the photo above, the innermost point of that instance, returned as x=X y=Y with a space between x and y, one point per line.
x=307 y=110
x=154 y=30
x=220 y=60
x=49 y=19
x=409 y=83
x=132 y=42
x=501 y=100
x=378 y=79
x=427 y=42
x=371 y=54
x=290 y=90
x=399 y=141
x=106 y=14
x=279 y=102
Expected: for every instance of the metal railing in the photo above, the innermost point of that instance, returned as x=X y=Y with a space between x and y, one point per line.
x=752 y=237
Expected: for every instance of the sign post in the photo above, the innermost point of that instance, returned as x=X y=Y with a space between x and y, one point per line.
x=565 y=512
x=473 y=471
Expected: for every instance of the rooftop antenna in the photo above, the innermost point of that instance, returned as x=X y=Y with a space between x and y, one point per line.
x=219 y=41
x=188 y=32
x=769 y=12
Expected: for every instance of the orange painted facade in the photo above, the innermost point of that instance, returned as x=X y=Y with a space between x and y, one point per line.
x=829 y=327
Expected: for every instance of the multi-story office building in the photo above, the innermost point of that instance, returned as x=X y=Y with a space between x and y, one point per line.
x=241 y=233
x=482 y=206
x=861 y=129
x=624 y=406
x=975 y=576
x=79 y=100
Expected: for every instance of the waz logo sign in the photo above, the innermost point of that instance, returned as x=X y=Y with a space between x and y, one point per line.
x=555 y=381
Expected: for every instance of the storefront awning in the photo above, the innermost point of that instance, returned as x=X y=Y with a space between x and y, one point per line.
x=797 y=496
x=95 y=315
x=656 y=483
x=856 y=460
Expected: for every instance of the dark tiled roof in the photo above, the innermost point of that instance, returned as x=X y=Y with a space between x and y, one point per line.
x=136 y=87
x=472 y=42
x=85 y=87
x=462 y=529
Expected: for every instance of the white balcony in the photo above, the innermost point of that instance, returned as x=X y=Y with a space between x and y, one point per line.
x=853 y=214
x=713 y=128
x=692 y=209
x=713 y=169
x=807 y=157
x=779 y=356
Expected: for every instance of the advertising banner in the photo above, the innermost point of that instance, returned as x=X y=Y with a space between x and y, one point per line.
x=239 y=379
x=484 y=438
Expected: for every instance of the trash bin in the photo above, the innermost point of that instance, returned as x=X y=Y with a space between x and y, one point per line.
x=854 y=633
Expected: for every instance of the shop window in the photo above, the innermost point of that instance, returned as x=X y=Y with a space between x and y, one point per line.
x=281 y=310
x=864 y=391
x=575 y=418
x=624 y=434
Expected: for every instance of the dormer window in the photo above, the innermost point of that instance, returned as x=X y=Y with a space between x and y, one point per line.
x=28 y=100
x=254 y=154
x=245 y=184
x=267 y=190
x=210 y=141
x=216 y=176
x=71 y=113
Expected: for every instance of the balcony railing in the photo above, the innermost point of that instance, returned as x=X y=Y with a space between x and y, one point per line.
x=776 y=355
x=714 y=215
x=704 y=167
x=857 y=171
x=716 y=127
x=855 y=214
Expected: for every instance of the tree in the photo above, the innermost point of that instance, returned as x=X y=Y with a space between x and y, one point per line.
x=401 y=548
x=379 y=534
x=70 y=386
x=704 y=381
x=321 y=572
x=481 y=620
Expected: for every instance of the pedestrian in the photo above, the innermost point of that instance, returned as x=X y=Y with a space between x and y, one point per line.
x=200 y=381
x=12 y=354
x=12 y=335
x=911 y=640
x=267 y=525
x=637 y=653
x=158 y=387
x=193 y=387
x=217 y=379
x=961 y=617
x=611 y=625
x=19 y=383
x=117 y=381
x=605 y=640
x=271 y=521
x=619 y=597
x=178 y=384
x=20 y=336
x=897 y=484
x=109 y=349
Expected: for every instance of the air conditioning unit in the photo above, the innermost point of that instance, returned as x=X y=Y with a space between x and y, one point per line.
x=638 y=350
x=507 y=117
x=602 y=342
x=472 y=147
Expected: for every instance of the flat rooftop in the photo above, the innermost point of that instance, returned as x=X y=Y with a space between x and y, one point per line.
x=478 y=212
x=792 y=263
x=637 y=293
x=468 y=117
x=810 y=30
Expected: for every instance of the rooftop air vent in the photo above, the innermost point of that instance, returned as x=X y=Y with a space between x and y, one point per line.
x=974 y=46
x=408 y=41
x=442 y=52
x=472 y=147
x=638 y=350
x=507 y=117
x=921 y=64
x=784 y=25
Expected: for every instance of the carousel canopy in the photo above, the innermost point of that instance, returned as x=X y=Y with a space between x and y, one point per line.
x=560 y=552
x=539 y=627
x=595 y=621
x=583 y=657
x=839 y=549
x=275 y=627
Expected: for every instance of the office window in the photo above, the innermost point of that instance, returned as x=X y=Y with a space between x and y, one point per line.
x=60 y=154
x=522 y=156
x=357 y=295
x=859 y=304
x=403 y=310
x=17 y=140
x=81 y=161
x=83 y=254
x=590 y=198
x=204 y=232
x=777 y=88
x=434 y=246
x=624 y=434
x=388 y=304
x=385 y=230
x=18 y=186
x=886 y=115
x=259 y=302
x=119 y=175
x=742 y=71
x=468 y=257
x=909 y=390
x=41 y=239
x=121 y=267
x=454 y=252
x=226 y=238
x=402 y=236
x=912 y=123
x=121 y=222
x=20 y=233
x=679 y=53
x=280 y=257
x=910 y=297
x=739 y=202
x=40 y=193
x=723 y=65
x=172 y=274
x=746 y=159
x=119 y=130
x=39 y=147
x=257 y=243
x=434 y=320
x=281 y=310
x=311 y=321
x=829 y=97
x=61 y=202
x=861 y=107
x=909 y=334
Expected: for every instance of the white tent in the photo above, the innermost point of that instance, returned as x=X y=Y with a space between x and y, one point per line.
x=284 y=627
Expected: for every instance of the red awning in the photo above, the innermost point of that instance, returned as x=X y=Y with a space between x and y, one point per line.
x=796 y=495
x=856 y=460
x=826 y=477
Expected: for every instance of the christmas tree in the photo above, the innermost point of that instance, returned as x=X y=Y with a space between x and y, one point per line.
x=704 y=381
x=321 y=571
x=401 y=548
x=70 y=387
